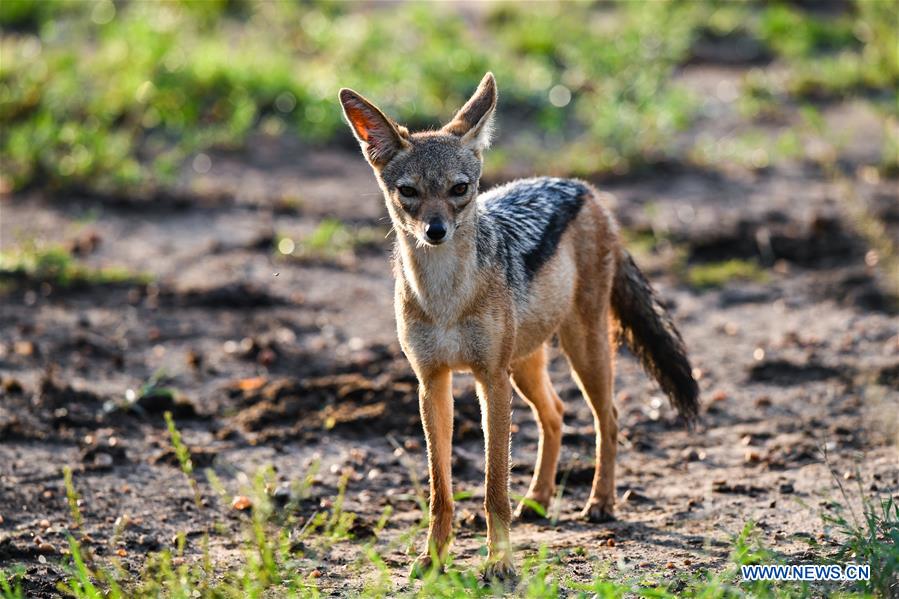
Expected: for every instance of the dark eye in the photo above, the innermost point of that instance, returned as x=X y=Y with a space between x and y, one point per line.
x=407 y=192
x=460 y=189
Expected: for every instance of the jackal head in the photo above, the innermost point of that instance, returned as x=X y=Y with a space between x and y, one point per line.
x=429 y=178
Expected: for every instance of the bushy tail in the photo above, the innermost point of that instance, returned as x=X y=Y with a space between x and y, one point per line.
x=650 y=334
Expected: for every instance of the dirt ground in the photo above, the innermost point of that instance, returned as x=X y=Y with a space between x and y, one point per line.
x=287 y=362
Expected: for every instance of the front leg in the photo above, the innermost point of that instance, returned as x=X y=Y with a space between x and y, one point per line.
x=495 y=395
x=435 y=398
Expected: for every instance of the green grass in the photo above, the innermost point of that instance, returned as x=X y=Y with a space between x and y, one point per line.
x=717 y=274
x=852 y=54
x=870 y=537
x=792 y=34
x=271 y=566
x=753 y=149
x=889 y=162
x=72 y=498
x=330 y=240
x=109 y=97
x=55 y=264
x=115 y=98
x=182 y=453
x=282 y=551
x=11 y=584
x=119 y=97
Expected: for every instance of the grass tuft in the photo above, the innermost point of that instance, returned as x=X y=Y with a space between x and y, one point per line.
x=72 y=497
x=284 y=556
x=330 y=240
x=717 y=274
x=869 y=536
x=11 y=584
x=184 y=460
x=56 y=265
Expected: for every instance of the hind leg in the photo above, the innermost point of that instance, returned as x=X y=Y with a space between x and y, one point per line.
x=589 y=350
x=532 y=382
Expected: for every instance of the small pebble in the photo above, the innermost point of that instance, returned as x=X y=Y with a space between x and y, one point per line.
x=103 y=460
x=693 y=455
x=267 y=357
x=241 y=503
x=12 y=386
x=281 y=494
x=194 y=359
x=23 y=348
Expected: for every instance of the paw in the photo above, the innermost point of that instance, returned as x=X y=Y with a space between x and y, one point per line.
x=501 y=570
x=423 y=565
x=597 y=512
x=531 y=509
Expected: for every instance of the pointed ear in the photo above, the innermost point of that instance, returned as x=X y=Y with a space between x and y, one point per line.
x=379 y=136
x=474 y=121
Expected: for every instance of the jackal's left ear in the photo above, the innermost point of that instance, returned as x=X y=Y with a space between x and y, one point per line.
x=474 y=121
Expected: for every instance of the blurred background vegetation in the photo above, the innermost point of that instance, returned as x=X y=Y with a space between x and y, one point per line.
x=115 y=97
x=134 y=99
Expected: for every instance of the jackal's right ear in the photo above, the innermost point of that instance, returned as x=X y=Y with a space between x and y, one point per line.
x=474 y=121
x=379 y=137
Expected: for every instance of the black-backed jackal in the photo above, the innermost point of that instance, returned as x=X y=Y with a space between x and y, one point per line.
x=483 y=281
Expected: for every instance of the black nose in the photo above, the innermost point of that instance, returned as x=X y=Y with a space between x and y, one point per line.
x=435 y=230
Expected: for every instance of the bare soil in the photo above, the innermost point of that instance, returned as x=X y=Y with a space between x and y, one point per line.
x=288 y=362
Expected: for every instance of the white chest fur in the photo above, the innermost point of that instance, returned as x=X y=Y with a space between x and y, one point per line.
x=442 y=283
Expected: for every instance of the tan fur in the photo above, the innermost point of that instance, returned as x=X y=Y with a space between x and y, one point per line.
x=454 y=315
